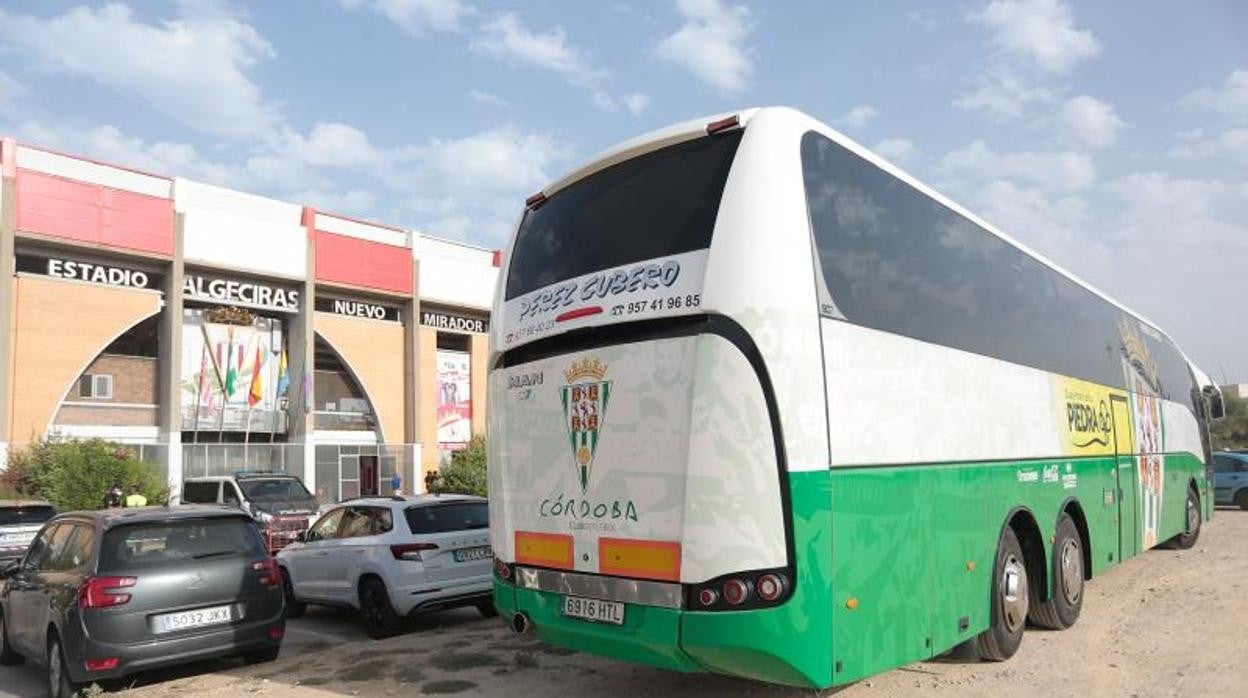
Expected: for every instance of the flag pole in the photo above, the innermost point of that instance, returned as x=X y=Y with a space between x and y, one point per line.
x=199 y=394
x=225 y=395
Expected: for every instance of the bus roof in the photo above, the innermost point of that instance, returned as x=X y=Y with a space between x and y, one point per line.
x=695 y=128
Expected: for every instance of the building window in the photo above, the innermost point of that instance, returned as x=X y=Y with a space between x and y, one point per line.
x=96 y=385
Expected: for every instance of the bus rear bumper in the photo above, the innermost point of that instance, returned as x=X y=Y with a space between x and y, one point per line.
x=748 y=644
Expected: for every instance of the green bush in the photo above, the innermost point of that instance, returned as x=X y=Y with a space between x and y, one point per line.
x=1232 y=431
x=465 y=473
x=75 y=475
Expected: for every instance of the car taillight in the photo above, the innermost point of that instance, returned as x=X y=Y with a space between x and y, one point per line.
x=101 y=592
x=270 y=575
x=411 y=551
x=104 y=664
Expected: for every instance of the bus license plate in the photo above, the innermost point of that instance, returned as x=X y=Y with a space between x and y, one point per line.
x=214 y=615
x=482 y=552
x=594 y=610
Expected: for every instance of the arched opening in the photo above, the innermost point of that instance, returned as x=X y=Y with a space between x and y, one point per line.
x=350 y=458
x=116 y=396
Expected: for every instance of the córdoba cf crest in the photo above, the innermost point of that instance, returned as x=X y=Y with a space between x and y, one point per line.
x=585 y=399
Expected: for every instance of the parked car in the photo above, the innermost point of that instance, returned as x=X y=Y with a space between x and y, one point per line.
x=1230 y=478
x=103 y=594
x=279 y=503
x=20 y=520
x=391 y=557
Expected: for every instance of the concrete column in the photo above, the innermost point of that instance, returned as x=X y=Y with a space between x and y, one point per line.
x=413 y=478
x=170 y=363
x=301 y=347
x=8 y=304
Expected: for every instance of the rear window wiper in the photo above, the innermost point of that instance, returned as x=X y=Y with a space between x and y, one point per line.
x=217 y=553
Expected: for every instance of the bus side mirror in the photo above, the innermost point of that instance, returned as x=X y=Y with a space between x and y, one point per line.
x=1217 y=407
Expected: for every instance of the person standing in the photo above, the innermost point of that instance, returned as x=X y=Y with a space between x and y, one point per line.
x=113 y=497
x=136 y=498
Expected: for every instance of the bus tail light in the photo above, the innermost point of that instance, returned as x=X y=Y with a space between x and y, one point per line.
x=723 y=124
x=736 y=592
x=503 y=570
x=769 y=586
x=741 y=591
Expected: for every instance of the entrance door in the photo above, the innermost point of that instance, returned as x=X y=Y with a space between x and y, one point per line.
x=1127 y=497
x=369 y=476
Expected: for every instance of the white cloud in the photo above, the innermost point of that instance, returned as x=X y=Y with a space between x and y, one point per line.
x=487 y=98
x=1231 y=144
x=1040 y=32
x=417 y=17
x=193 y=69
x=1229 y=100
x=334 y=145
x=1089 y=121
x=710 y=43
x=10 y=92
x=1055 y=171
x=856 y=117
x=351 y=202
x=636 y=102
x=505 y=37
x=1003 y=95
x=895 y=149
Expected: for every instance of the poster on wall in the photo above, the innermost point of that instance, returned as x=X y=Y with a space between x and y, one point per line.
x=454 y=399
x=235 y=377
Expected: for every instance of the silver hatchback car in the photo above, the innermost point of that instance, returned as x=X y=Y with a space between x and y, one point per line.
x=392 y=557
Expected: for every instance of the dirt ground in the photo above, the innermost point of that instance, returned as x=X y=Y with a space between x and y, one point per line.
x=1168 y=623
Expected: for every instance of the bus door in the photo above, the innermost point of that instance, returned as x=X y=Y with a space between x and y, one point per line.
x=1127 y=495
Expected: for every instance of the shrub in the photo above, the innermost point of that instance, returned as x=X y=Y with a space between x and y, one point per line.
x=465 y=474
x=75 y=475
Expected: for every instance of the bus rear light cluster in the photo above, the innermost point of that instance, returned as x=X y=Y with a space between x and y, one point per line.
x=741 y=591
x=503 y=570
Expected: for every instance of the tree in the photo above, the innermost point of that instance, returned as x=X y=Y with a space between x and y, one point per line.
x=1232 y=430
x=466 y=473
x=75 y=475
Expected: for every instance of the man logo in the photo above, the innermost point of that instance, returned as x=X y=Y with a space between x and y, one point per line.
x=585 y=399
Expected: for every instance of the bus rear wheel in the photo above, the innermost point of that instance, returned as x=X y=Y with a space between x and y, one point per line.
x=1062 y=610
x=1010 y=600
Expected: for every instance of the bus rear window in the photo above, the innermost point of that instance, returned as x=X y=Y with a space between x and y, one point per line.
x=655 y=205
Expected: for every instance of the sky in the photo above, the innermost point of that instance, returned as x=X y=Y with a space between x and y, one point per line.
x=1111 y=137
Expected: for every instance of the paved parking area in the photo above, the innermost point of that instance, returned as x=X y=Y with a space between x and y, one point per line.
x=319 y=629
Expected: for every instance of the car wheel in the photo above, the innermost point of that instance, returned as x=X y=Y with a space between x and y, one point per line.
x=1009 y=602
x=1191 y=523
x=294 y=607
x=486 y=608
x=380 y=619
x=262 y=656
x=59 y=684
x=8 y=656
x=1062 y=610
x=1241 y=500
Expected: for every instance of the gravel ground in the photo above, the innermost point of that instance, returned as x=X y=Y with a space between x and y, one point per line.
x=1164 y=624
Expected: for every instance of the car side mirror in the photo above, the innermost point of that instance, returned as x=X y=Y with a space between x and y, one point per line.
x=10 y=568
x=302 y=536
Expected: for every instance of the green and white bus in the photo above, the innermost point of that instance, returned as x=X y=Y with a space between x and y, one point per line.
x=762 y=404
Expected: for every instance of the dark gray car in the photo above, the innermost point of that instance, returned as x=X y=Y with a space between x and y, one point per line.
x=103 y=594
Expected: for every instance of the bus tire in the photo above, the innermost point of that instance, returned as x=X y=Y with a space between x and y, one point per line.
x=1191 y=525
x=1062 y=609
x=1009 y=602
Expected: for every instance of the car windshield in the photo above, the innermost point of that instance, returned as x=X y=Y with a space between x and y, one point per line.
x=173 y=543
x=25 y=516
x=441 y=518
x=277 y=489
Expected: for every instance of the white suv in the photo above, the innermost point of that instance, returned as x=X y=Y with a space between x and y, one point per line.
x=390 y=557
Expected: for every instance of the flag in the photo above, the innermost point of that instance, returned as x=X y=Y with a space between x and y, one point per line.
x=231 y=374
x=205 y=370
x=283 y=375
x=256 y=394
